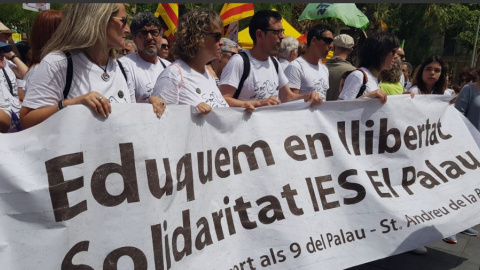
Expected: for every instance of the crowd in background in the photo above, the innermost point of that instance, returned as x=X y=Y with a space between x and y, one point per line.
x=81 y=56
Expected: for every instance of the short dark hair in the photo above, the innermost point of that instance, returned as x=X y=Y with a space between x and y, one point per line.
x=142 y=19
x=375 y=49
x=470 y=73
x=440 y=85
x=409 y=66
x=261 y=20
x=317 y=31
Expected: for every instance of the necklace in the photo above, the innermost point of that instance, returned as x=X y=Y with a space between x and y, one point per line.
x=105 y=75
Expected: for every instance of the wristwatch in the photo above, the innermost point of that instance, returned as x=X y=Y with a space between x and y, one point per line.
x=11 y=58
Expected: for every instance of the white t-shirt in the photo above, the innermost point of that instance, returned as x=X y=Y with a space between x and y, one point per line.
x=354 y=81
x=262 y=81
x=283 y=63
x=45 y=86
x=416 y=91
x=4 y=105
x=307 y=77
x=10 y=98
x=180 y=84
x=142 y=75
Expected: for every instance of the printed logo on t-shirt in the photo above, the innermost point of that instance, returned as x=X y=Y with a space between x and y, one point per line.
x=265 y=90
x=320 y=87
x=214 y=100
x=116 y=99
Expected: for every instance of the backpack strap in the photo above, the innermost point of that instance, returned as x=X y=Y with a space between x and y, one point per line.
x=246 y=71
x=8 y=81
x=364 y=85
x=161 y=62
x=122 y=69
x=275 y=63
x=68 y=82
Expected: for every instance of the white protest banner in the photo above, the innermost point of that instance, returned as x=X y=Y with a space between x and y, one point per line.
x=286 y=187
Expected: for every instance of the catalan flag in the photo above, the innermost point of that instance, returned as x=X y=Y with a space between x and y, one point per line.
x=169 y=14
x=232 y=12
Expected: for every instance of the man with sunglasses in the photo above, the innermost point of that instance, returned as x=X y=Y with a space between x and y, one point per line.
x=164 y=48
x=144 y=66
x=265 y=83
x=307 y=74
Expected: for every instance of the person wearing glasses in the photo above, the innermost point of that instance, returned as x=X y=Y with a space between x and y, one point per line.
x=307 y=74
x=144 y=66
x=163 y=48
x=229 y=49
x=378 y=53
x=196 y=42
x=266 y=83
x=96 y=80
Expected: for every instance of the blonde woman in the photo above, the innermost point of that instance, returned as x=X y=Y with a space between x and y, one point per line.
x=187 y=81
x=88 y=33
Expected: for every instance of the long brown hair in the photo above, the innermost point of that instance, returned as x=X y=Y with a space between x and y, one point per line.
x=43 y=28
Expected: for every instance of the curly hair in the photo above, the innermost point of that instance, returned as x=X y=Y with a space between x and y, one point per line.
x=392 y=75
x=191 y=31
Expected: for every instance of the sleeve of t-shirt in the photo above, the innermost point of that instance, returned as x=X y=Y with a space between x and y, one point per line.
x=4 y=105
x=46 y=83
x=232 y=72
x=167 y=85
x=463 y=101
x=293 y=74
x=352 y=85
x=282 y=79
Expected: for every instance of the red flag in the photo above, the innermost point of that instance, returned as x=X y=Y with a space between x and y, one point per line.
x=232 y=12
x=169 y=14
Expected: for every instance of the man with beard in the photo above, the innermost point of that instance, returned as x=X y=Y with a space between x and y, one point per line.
x=144 y=66
x=306 y=74
x=254 y=79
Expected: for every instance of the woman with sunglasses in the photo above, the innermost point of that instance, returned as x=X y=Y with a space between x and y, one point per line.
x=197 y=41
x=377 y=54
x=88 y=34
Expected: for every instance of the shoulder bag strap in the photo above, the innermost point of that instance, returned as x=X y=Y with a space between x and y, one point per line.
x=364 y=85
x=68 y=82
x=8 y=81
x=246 y=71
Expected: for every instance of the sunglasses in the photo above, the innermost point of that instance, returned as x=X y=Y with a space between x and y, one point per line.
x=144 y=33
x=226 y=51
x=327 y=40
x=122 y=19
x=276 y=32
x=216 y=35
x=164 y=46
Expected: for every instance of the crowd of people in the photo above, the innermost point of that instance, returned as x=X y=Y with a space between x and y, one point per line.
x=81 y=56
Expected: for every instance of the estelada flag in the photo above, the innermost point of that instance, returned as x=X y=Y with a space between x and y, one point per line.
x=232 y=12
x=169 y=13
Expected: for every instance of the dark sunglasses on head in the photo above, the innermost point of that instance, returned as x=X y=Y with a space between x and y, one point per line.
x=327 y=40
x=216 y=35
x=144 y=33
x=276 y=32
x=164 y=46
x=122 y=19
x=225 y=51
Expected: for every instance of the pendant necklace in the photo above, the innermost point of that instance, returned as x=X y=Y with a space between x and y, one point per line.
x=105 y=75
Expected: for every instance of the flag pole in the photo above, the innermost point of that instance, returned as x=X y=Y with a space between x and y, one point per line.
x=472 y=64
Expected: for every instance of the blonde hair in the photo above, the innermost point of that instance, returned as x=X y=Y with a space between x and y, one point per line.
x=84 y=25
x=192 y=28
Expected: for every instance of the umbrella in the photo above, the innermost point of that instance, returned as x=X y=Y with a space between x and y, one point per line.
x=348 y=13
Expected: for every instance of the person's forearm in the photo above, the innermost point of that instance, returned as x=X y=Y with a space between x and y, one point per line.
x=21 y=69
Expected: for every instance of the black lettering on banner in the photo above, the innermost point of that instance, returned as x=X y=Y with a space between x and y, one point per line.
x=186 y=163
x=186 y=233
x=128 y=173
x=406 y=181
x=204 y=233
x=453 y=171
x=67 y=263
x=154 y=181
x=241 y=207
x=361 y=192
x=409 y=136
x=384 y=134
x=222 y=158
x=139 y=259
x=472 y=166
x=249 y=152
x=208 y=176
x=59 y=188
x=326 y=191
x=289 y=194
x=290 y=149
x=327 y=147
x=274 y=207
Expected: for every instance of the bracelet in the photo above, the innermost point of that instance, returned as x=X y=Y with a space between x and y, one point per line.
x=11 y=58
x=60 y=104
